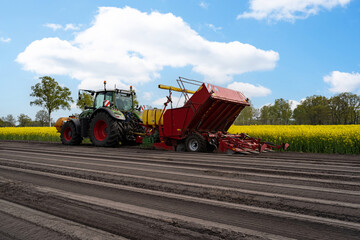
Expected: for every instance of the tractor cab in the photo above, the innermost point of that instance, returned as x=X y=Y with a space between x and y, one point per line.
x=101 y=97
x=119 y=99
x=124 y=101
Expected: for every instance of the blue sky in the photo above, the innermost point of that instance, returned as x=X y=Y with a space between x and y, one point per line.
x=266 y=49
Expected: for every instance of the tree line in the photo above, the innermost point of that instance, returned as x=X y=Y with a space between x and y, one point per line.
x=23 y=120
x=343 y=108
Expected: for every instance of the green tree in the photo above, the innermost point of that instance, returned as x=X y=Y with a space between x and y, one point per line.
x=281 y=111
x=265 y=115
x=313 y=110
x=42 y=118
x=9 y=121
x=51 y=96
x=345 y=108
x=278 y=113
x=354 y=108
x=246 y=116
x=300 y=115
x=85 y=99
x=338 y=110
x=24 y=120
x=274 y=114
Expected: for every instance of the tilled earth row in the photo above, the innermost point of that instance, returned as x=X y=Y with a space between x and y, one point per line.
x=127 y=192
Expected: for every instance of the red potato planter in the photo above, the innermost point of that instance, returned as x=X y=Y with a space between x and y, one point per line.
x=201 y=124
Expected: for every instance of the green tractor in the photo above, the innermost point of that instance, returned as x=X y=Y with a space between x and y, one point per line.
x=112 y=119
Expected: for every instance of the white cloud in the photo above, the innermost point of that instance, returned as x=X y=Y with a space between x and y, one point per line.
x=53 y=26
x=293 y=104
x=5 y=40
x=71 y=26
x=343 y=82
x=214 y=28
x=147 y=96
x=126 y=46
x=203 y=4
x=67 y=27
x=288 y=10
x=250 y=90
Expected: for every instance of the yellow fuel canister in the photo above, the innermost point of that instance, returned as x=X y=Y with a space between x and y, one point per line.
x=158 y=115
x=151 y=117
x=145 y=117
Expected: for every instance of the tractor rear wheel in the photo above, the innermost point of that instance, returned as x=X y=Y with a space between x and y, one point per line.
x=195 y=143
x=68 y=135
x=105 y=131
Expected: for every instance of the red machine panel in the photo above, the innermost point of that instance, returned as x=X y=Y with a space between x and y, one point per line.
x=210 y=109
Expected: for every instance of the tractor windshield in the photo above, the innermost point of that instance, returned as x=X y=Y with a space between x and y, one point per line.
x=123 y=101
x=100 y=97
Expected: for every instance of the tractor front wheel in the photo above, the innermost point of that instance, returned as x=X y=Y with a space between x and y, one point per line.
x=195 y=143
x=68 y=135
x=104 y=130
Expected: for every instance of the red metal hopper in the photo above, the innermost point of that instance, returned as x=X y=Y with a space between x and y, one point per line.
x=210 y=109
x=202 y=123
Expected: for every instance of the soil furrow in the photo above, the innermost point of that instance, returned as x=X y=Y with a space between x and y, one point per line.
x=323 y=174
x=324 y=208
x=225 y=161
x=346 y=185
x=138 y=194
x=133 y=176
x=272 y=221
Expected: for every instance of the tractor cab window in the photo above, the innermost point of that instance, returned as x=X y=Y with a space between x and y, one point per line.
x=101 y=96
x=123 y=101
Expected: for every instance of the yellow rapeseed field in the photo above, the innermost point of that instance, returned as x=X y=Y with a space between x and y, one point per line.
x=308 y=138
x=29 y=133
x=302 y=138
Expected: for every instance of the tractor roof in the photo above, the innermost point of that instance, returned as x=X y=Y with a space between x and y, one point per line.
x=109 y=90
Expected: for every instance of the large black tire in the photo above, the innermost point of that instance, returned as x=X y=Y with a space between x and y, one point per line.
x=69 y=135
x=105 y=131
x=195 y=143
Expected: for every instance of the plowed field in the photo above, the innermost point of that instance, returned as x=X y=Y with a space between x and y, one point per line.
x=51 y=191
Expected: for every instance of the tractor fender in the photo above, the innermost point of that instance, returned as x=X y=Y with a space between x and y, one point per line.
x=113 y=113
x=76 y=123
